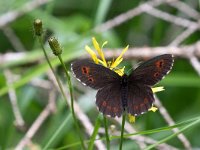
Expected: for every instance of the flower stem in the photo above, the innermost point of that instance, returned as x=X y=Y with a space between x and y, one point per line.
x=95 y=131
x=48 y=61
x=56 y=77
x=173 y=135
x=106 y=132
x=122 y=130
x=72 y=101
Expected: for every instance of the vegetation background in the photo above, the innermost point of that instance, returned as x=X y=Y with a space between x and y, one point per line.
x=32 y=110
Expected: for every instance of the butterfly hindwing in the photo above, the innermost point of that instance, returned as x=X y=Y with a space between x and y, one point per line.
x=140 y=99
x=93 y=75
x=115 y=93
x=108 y=100
x=153 y=70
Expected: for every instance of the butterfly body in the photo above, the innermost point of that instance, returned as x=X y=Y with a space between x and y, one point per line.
x=131 y=93
x=124 y=90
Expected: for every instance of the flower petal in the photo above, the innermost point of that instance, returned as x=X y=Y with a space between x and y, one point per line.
x=120 y=71
x=92 y=53
x=116 y=62
x=99 y=50
x=119 y=58
x=153 y=108
x=102 y=62
x=131 y=118
x=104 y=43
x=124 y=50
x=158 y=89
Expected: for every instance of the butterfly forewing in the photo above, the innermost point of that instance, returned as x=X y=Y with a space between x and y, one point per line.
x=153 y=70
x=140 y=99
x=116 y=93
x=93 y=75
x=108 y=100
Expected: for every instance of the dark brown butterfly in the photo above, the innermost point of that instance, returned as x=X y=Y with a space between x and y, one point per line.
x=130 y=93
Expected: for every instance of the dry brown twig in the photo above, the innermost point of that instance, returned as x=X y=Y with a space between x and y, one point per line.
x=170 y=18
x=184 y=35
x=38 y=122
x=133 y=52
x=129 y=15
x=19 y=121
x=195 y=63
x=186 y=9
x=145 y=52
x=13 y=38
x=126 y=16
x=13 y=15
x=42 y=83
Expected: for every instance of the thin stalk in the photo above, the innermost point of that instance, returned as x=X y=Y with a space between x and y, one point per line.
x=61 y=88
x=106 y=132
x=72 y=101
x=94 y=134
x=162 y=129
x=58 y=131
x=51 y=67
x=122 y=130
x=173 y=135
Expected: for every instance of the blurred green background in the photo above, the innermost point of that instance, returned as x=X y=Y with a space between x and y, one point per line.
x=72 y=22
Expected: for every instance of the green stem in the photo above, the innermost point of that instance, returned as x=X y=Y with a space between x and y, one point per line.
x=60 y=86
x=72 y=101
x=173 y=135
x=122 y=130
x=95 y=132
x=162 y=129
x=58 y=131
x=106 y=131
x=48 y=61
x=56 y=77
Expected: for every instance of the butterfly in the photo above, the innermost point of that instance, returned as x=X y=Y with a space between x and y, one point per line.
x=131 y=93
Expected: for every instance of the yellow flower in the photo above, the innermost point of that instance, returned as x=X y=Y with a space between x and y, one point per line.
x=131 y=118
x=111 y=65
x=99 y=50
x=153 y=108
x=158 y=89
x=92 y=53
x=119 y=59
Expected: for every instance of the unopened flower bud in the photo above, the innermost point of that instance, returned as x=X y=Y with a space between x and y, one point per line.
x=55 y=46
x=37 y=24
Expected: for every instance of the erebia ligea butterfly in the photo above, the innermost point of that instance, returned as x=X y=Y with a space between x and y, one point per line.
x=131 y=93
